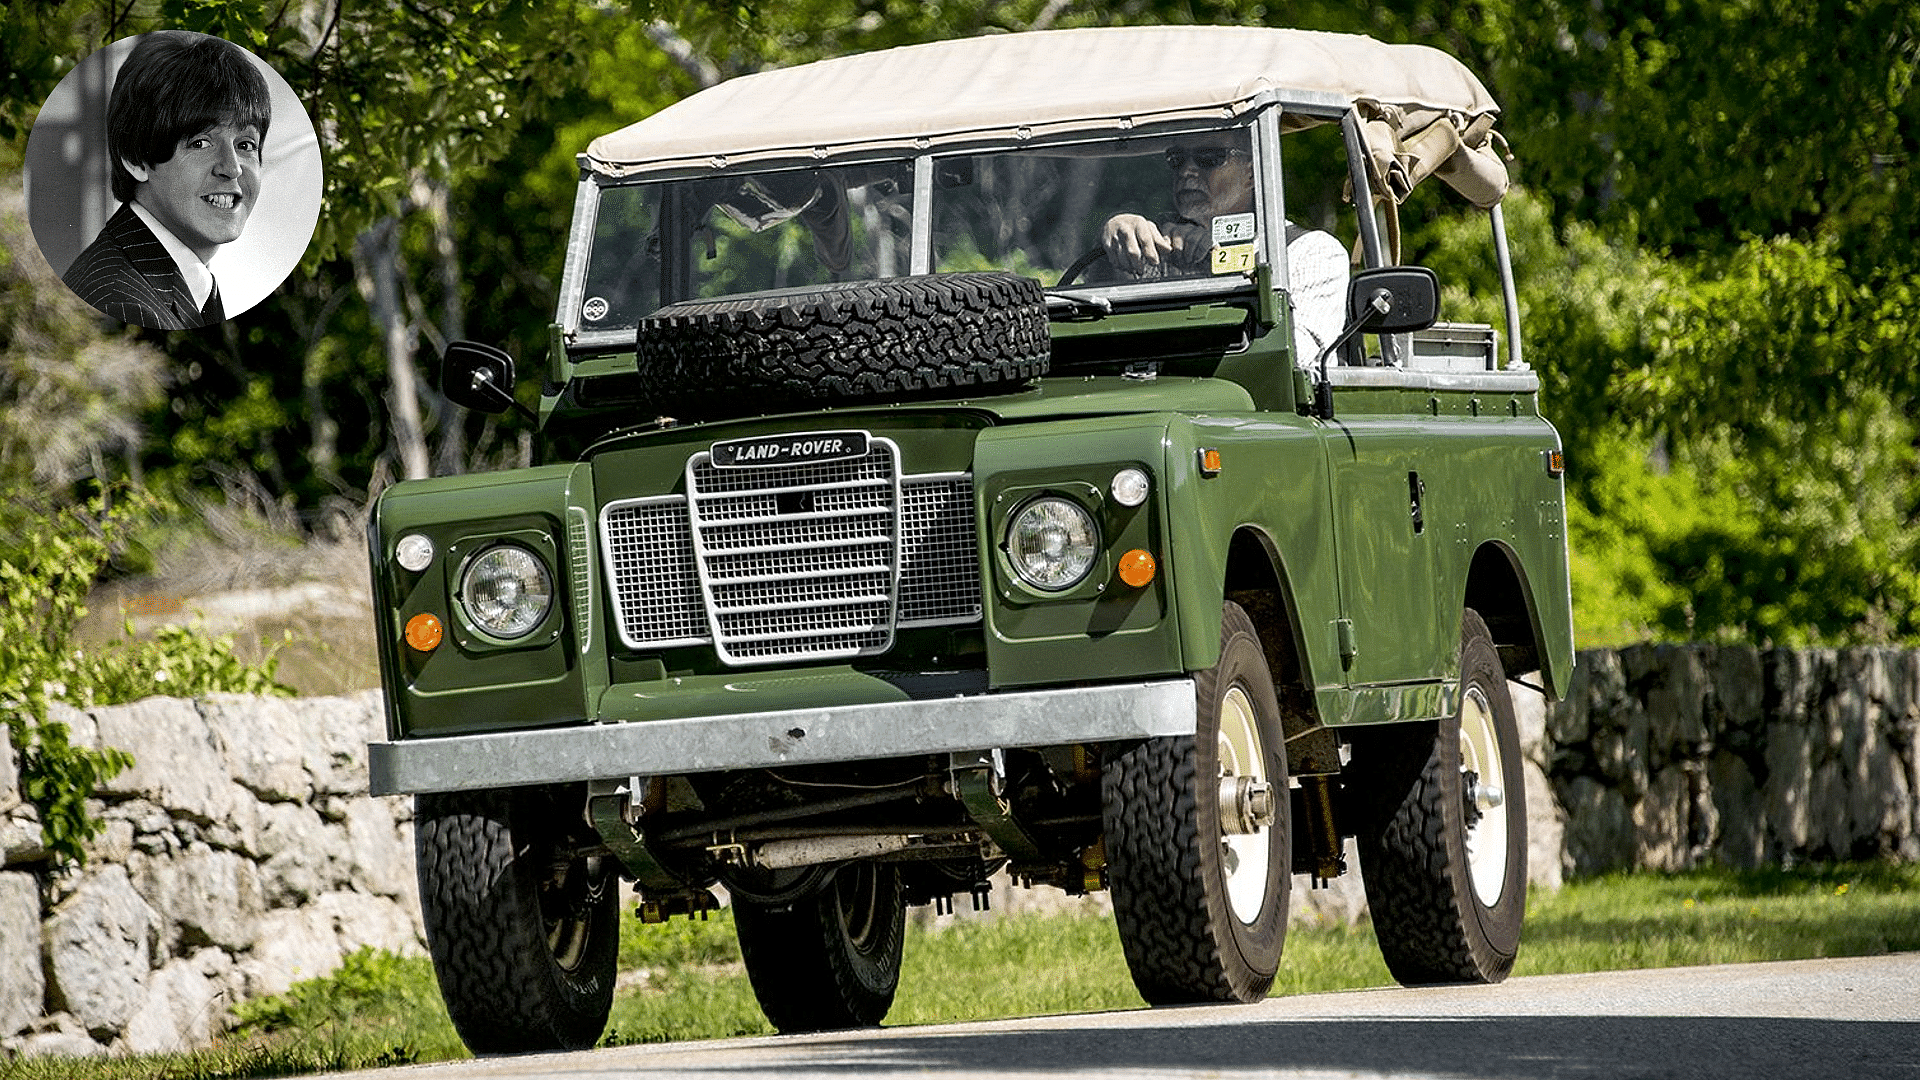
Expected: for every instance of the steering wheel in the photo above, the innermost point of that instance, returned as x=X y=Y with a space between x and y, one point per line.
x=1093 y=255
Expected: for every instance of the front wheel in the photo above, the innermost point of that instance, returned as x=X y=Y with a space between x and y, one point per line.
x=829 y=959
x=1444 y=852
x=1199 y=850
x=524 y=935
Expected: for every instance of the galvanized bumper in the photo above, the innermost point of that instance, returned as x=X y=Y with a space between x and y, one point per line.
x=800 y=736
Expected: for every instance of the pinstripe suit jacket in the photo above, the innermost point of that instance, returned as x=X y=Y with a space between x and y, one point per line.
x=127 y=273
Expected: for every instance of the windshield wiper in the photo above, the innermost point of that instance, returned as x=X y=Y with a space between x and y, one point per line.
x=1078 y=305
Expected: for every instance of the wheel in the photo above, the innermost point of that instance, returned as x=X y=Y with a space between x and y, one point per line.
x=1444 y=852
x=1079 y=265
x=1198 y=833
x=524 y=939
x=831 y=959
x=888 y=339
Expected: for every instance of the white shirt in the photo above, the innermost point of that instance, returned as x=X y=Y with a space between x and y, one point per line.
x=1317 y=283
x=196 y=274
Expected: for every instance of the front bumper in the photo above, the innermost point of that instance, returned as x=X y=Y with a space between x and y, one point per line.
x=768 y=739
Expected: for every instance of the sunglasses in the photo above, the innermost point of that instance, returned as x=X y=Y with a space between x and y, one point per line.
x=1207 y=157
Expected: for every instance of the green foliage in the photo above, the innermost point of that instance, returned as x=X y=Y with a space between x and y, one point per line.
x=1714 y=242
x=366 y=979
x=50 y=556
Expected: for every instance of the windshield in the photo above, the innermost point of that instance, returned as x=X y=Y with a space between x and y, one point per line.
x=1100 y=214
x=1095 y=214
x=656 y=244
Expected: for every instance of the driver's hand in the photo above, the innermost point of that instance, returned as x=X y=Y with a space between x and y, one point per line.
x=1135 y=246
x=1189 y=245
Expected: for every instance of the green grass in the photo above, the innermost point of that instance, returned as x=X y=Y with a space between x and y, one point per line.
x=683 y=980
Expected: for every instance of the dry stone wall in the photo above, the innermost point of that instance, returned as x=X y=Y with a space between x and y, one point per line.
x=242 y=853
x=1670 y=757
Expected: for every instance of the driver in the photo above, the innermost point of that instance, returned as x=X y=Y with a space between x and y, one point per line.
x=1212 y=177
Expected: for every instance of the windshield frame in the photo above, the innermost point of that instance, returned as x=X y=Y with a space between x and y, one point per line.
x=1262 y=123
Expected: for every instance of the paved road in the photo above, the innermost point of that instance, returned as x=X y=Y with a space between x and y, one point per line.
x=1856 y=1019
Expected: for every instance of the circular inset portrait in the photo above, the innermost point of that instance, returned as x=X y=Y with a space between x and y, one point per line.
x=173 y=180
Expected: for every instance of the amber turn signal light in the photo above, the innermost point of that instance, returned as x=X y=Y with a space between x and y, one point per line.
x=1137 y=568
x=424 y=632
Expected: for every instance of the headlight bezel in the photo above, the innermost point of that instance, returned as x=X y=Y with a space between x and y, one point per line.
x=470 y=556
x=1080 y=504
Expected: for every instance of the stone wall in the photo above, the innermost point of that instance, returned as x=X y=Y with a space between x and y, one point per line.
x=242 y=853
x=1668 y=757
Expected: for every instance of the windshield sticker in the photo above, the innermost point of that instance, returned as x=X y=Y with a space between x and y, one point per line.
x=594 y=309
x=1232 y=229
x=1234 y=259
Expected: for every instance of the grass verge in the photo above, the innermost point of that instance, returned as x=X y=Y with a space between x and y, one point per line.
x=683 y=980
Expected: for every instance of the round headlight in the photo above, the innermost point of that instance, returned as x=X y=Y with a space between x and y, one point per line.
x=1053 y=543
x=506 y=591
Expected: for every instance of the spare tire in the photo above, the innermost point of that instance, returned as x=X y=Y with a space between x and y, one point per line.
x=890 y=339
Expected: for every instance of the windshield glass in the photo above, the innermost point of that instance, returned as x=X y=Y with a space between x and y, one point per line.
x=656 y=244
x=1145 y=209
x=1102 y=213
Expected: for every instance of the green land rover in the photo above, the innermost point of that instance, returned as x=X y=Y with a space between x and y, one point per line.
x=1011 y=453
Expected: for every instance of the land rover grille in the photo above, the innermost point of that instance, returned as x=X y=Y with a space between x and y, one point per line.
x=793 y=562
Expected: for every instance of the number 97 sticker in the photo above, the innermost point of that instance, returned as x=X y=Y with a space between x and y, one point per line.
x=1232 y=229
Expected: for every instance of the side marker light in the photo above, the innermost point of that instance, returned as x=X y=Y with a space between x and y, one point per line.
x=424 y=633
x=1137 y=568
x=1209 y=461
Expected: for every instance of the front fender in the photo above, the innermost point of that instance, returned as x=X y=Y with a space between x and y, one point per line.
x=472 y=682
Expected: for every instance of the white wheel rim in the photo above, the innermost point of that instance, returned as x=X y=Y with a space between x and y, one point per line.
x=1480 y=763
x=1243 y=858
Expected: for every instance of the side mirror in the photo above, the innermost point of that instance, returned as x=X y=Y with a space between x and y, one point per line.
x=1383 y=300
x=479 y=377
x=1393 y=299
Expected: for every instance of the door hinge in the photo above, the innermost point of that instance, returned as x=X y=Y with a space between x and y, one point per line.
x=1343 y=634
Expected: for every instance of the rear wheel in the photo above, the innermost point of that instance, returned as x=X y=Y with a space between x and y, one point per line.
x=524 y=936
x=1444 y=852
x=829 y=959
x=1199 y=852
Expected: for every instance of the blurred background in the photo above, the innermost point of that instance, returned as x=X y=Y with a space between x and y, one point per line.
x=1713 y=226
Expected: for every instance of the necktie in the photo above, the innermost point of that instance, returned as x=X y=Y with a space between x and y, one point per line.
x=212 y=312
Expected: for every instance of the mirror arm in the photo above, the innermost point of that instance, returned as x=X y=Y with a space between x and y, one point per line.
x=482 y=383
x=1381 y=302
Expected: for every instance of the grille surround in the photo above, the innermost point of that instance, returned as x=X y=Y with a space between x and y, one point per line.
x=793 y=562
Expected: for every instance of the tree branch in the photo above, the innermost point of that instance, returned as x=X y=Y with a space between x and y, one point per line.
x=682 y=52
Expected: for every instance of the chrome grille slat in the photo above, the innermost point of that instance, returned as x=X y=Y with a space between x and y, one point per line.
x=793 y=562
x=863 y=508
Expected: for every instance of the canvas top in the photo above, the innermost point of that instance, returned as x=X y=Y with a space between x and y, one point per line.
x=1006 y=89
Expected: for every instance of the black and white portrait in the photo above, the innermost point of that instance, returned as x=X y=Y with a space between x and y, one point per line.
x=173 y=180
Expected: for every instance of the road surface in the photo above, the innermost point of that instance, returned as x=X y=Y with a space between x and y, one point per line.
x=1853 y=1019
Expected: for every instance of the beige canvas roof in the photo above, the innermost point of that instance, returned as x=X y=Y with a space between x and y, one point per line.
x=1010 y=87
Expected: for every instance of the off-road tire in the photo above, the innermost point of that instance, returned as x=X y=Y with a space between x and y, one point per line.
x=1186 y=935
x=487 y=869
x=829 y=960
x=888 y=339
x=1434 y=924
